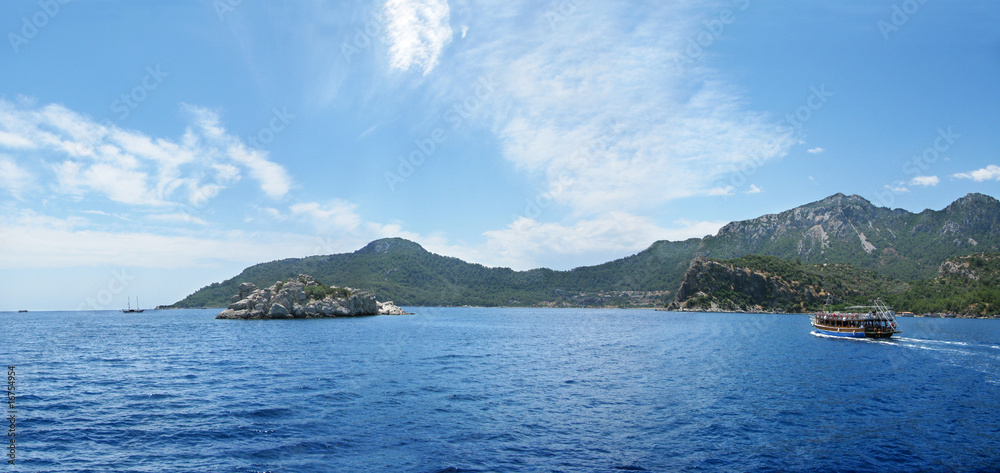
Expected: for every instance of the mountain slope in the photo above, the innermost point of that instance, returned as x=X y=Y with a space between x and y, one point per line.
x=849 y=229
x=403 y=271
x=966 y=285
x=767 y=283
x=837 y=230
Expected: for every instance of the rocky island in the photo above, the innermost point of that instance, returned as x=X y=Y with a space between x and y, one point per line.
x=304 y=297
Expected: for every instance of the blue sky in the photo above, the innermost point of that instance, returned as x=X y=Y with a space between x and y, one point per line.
x=151 y=148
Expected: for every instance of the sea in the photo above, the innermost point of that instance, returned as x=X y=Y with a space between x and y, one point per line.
x=495 y=390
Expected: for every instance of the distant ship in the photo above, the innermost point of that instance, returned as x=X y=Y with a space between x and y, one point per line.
x=22 y=311
x=130 y=310
x=878 y=322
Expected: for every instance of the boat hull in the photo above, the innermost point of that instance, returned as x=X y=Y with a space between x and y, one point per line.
x=841 y=333
x=877 y=323
x=852 y=332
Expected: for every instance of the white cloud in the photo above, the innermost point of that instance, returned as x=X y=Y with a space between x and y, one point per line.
x=601 y=111
x=524 y=244
x=722 y=191
x=338 y=226
x=754 y=189
x=274 y=180
x=898 y=188
x=14 y=178
x=337 y=215
x=527 y=243
x=118 y=184
x=991 y=172
x=418 y=30
x=11 y=140
x=36 y=241
x=89 y=158
x=816 y=150
x=178 y=217
x=925 y=181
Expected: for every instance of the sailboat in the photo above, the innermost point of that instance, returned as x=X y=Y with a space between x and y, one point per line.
x=130 y=310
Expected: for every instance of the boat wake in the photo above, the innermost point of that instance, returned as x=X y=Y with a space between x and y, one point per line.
x=856 y=339
x=922 y=343
x=948 y=342
x=979 y=357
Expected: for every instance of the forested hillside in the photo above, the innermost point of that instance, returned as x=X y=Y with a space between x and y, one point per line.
x=404 y=272
x=967 y=286
x=838 y=230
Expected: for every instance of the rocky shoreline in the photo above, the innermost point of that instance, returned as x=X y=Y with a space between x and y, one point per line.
x=304 y=297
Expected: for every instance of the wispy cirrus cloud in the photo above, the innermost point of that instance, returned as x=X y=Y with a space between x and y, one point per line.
x=336 y=215
x=178 y=217
x=13 y=177
x=340 y=217
x=87 y=158
x=596 y=107
x=418 y=31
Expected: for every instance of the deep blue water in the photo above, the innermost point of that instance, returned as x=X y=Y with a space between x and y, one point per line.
x=506 y=390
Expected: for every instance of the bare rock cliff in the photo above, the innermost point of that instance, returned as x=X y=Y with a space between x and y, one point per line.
x=715 y=286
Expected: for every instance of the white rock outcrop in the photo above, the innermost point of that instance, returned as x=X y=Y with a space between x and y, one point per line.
x=303 y=297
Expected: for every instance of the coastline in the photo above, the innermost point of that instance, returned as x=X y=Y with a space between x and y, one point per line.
x=655 y=309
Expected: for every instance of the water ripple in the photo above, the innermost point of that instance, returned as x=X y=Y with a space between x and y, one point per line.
x=471 y=390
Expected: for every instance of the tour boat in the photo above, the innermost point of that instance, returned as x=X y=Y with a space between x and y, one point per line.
x=878 y=322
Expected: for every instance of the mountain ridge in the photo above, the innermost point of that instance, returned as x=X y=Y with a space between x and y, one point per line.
x=966 y=286
x=850 y=229
x=839 y=229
